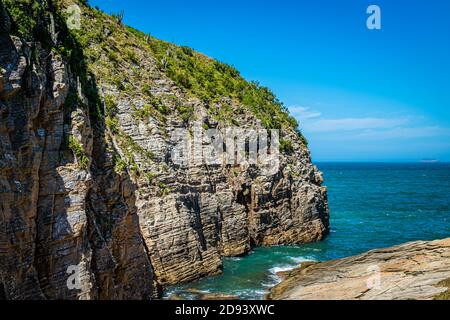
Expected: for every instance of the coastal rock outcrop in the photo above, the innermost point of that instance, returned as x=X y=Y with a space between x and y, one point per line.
x=412 y=271
x=92 y=205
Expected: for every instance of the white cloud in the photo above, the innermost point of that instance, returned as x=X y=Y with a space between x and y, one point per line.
x=304 y=113
x=405 y=133
x=349 y=124
x=365 y=128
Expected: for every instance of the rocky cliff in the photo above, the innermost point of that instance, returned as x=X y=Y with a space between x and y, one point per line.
x=88 y=183
x=413 y=271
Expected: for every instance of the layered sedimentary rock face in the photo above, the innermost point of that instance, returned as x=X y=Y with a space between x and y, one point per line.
x=53 y=213
x=92 y=203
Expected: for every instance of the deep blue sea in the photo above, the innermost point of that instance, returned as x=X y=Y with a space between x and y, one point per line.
x=372 y=205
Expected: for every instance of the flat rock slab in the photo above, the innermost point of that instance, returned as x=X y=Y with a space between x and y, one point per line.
x=416 y=270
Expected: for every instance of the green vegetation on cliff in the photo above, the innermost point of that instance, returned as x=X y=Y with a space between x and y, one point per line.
x=104 y=35
x=78 y=151
x=211 y=80
x=25 y=16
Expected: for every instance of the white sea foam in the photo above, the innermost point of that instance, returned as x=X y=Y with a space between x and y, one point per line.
x=274 y=278
x=234 y=258
x=282 y=268
x=302 y=259
x=251 y=294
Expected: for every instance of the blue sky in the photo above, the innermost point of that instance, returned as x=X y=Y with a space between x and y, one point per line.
x=359 y=94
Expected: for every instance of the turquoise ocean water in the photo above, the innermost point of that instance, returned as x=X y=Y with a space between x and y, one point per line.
x=372 y=205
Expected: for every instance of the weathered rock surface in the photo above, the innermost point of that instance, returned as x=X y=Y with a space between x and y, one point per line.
x=53 y=214
x=417 y=270
x=64 y=202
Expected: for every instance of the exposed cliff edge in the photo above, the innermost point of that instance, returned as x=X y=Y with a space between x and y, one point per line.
x=417 y=270
x=86 y=174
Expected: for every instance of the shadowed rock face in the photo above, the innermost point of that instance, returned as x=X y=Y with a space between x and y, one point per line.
x=64 y=202
x=52 y=213
x=417 y=270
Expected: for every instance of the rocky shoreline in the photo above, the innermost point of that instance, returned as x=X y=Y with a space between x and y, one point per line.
x=413 y=271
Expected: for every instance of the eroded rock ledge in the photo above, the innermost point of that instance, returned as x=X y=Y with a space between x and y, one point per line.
x=417 y=270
